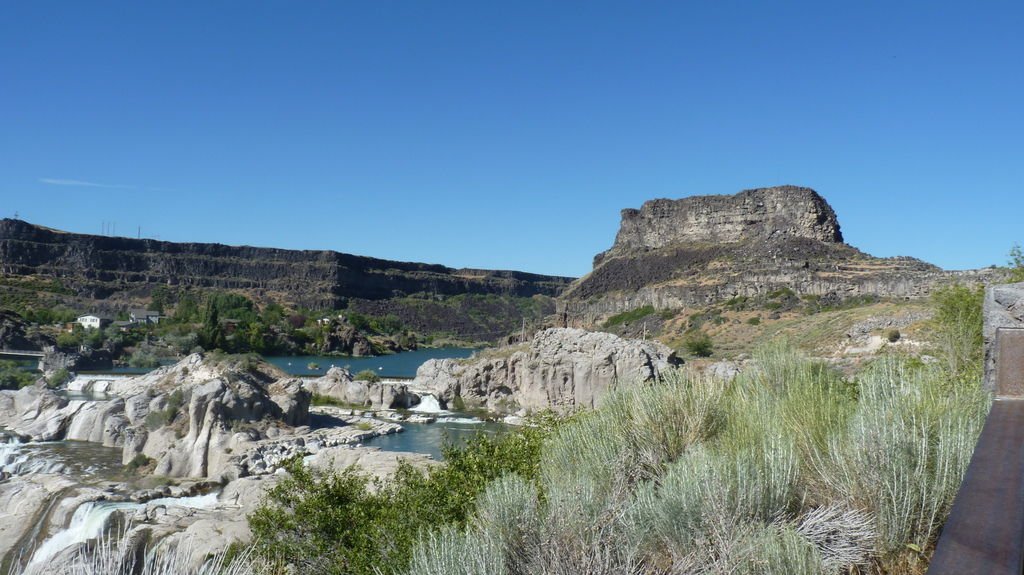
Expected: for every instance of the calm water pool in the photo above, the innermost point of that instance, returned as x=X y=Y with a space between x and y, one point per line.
x=428 y=438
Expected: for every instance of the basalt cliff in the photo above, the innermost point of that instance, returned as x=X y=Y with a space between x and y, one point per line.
x=695 y=251
x=100 y=265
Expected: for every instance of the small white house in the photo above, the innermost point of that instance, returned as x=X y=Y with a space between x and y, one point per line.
x=144 y=316
x=94 y=321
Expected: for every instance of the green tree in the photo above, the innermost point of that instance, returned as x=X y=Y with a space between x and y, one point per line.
x=1016 y=264
x=211 y=334
x=187 y=310
x=255 y=337
x=160 y=298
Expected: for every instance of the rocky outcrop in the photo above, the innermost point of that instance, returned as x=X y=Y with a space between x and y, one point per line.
x=84 y=359
x=16 y=333
x=760 y=214
x=1003 y=308
x=99 y=266
x=339 y=385
x=693 y=252
x=343 y=338
x=189 y=418
x=561 y=369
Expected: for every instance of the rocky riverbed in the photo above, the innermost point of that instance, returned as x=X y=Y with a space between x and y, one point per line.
x=183 y=453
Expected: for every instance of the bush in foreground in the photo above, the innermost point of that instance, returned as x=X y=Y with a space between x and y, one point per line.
x=787 y=469
x=342 y=522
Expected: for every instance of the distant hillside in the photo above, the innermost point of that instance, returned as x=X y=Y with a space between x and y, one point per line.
x=98 y=266
x=113 y=273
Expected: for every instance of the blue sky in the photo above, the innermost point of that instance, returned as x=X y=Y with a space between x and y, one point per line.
x=510 y=134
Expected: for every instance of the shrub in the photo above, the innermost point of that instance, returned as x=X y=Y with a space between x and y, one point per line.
x=893 y=335
x=12 y=376
x=629 y=316
x=699 y=344
x=58 y=377
x=167 y=415
x=958 y=323
x=367 y=375
x=341 y=522
x=143 y=358
x=788 y=468
x=138 y=462
x=756 y=320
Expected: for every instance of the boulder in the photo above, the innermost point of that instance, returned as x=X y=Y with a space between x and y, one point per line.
x=343 y=338
x=562 y=369
x=338 y=384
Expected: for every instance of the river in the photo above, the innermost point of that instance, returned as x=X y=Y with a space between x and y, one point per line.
x=400 y=365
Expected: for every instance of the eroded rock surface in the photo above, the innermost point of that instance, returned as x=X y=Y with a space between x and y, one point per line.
x=562 y=369
x=189 y=418
x=699 y=250
x=338 y=384
x=1003 y=308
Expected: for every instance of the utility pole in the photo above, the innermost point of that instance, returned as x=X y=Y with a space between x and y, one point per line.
x=645 y=331
x=139 y=236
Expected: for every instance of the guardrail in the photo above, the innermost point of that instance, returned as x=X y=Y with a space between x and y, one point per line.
x=985 y=530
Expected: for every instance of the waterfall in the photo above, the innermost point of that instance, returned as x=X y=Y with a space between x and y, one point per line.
x=87 y=523
x=16 y=460
x=428 y=404
x=91 y=518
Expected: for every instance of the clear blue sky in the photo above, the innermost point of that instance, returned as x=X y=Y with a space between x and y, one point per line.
x=510 y=134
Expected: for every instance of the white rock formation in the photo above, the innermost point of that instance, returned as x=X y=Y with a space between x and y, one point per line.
x=563 y=369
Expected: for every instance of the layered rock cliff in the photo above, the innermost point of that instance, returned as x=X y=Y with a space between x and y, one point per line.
x=760 y=214
x=99 y=266
x=562 y=369
x=695 y=251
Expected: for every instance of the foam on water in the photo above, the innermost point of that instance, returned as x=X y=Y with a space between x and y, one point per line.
x=16 y=460
x=465 y=420
x=428 y=404
x=91 y=518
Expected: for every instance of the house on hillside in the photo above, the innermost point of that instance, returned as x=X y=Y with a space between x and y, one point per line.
x=140 y=316
x=94 y=321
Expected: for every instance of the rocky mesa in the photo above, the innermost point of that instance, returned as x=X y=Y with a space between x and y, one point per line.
x=697 y=250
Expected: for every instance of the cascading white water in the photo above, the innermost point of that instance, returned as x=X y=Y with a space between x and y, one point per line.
x=16 y=460
x=428 y=404
x=87 y=523
x=91 y=518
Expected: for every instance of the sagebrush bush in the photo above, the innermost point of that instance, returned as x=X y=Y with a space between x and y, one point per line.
x=788 y=469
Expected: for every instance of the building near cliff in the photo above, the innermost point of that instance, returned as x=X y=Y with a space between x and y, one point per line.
x=695 y=251
x=94 y=321
x=144 y=316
